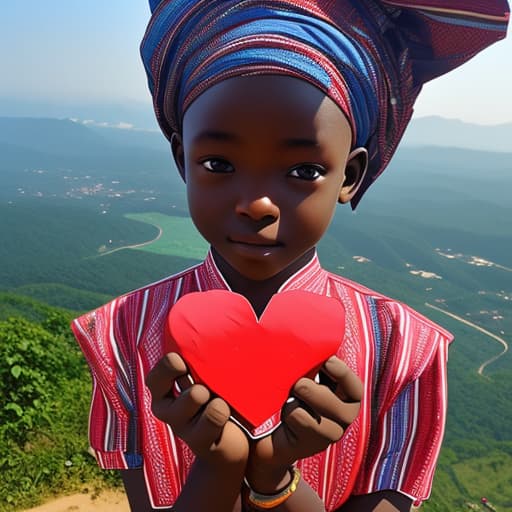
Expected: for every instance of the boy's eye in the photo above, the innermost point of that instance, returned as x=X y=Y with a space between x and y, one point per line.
x=218 y=165
x=307 y=172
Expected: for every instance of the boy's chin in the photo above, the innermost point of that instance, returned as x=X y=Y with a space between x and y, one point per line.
x=256 y=271
x=248 y=264
x=261 y=264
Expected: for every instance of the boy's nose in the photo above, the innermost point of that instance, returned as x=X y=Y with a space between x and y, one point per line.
x=258 y=208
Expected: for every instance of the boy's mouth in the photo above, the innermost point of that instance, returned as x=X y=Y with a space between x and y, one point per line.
x=254 y=241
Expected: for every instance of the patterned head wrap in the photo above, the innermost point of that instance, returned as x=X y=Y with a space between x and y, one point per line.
x=371 y=57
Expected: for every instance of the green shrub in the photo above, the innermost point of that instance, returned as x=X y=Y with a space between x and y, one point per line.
x=45 y=389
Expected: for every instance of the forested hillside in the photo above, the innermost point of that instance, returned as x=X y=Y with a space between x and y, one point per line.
x=82 y=224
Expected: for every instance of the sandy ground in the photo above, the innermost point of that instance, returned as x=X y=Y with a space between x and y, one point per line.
x=108 y=501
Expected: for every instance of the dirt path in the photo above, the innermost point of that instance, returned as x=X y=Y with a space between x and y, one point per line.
x=136 y=246
x=478 y=328
x=107 y=501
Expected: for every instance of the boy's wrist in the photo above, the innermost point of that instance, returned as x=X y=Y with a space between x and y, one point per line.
x=269 y=480
x=270 y=501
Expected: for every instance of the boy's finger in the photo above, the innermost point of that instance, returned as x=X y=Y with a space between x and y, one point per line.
x=325 y=403
x=350 y=387
x=160 y=379
x=290 y=406
x=318 y=433
x=209 y=426
x=179 y=412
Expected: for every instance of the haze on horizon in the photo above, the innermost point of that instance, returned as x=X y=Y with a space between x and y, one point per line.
x=66 y=52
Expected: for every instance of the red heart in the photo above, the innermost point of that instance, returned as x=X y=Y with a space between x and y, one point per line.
x=251 y=363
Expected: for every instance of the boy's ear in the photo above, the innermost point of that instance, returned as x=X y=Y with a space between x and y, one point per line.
x=178 y=153
x=355 y=170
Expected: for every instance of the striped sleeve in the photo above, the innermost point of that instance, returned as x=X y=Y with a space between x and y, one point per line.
x=409 y=403
x=112 y=419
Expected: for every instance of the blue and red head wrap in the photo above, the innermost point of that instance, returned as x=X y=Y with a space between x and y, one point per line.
x=371 y=57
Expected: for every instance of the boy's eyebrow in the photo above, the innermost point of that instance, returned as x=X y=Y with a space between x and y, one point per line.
x=295 y=142
x=221 y=136
x=215 y=135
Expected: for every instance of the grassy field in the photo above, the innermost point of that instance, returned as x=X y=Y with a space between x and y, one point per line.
x=474 y=473
x=179 y=237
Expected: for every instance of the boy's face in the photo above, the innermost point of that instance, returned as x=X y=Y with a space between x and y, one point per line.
x=265 y=160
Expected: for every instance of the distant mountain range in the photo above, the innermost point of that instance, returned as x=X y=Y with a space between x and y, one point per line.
x=136 y=127
x=138 y=114
x=66 y=136
x=437 y=131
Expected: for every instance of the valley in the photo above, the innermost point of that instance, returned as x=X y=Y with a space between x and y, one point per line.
x=97 y=216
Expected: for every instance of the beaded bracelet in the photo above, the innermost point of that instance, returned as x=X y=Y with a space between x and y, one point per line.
x=265 y=501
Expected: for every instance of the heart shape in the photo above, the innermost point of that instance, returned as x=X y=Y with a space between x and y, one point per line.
x=251 y=363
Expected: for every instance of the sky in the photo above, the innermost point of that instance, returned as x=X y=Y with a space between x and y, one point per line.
x=88 y=51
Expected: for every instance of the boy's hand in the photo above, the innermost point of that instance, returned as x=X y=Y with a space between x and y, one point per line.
x=318 y=418
x=202 y=422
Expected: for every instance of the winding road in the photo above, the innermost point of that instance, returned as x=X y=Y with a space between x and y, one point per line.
x=478 y=328
x=136 y=246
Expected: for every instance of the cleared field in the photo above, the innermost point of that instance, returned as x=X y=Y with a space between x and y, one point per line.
x=179 y=236
x=475 y=476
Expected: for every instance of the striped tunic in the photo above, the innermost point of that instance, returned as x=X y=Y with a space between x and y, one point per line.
x=399 y=355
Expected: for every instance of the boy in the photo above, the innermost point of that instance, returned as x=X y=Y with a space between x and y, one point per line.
x=276 y=111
